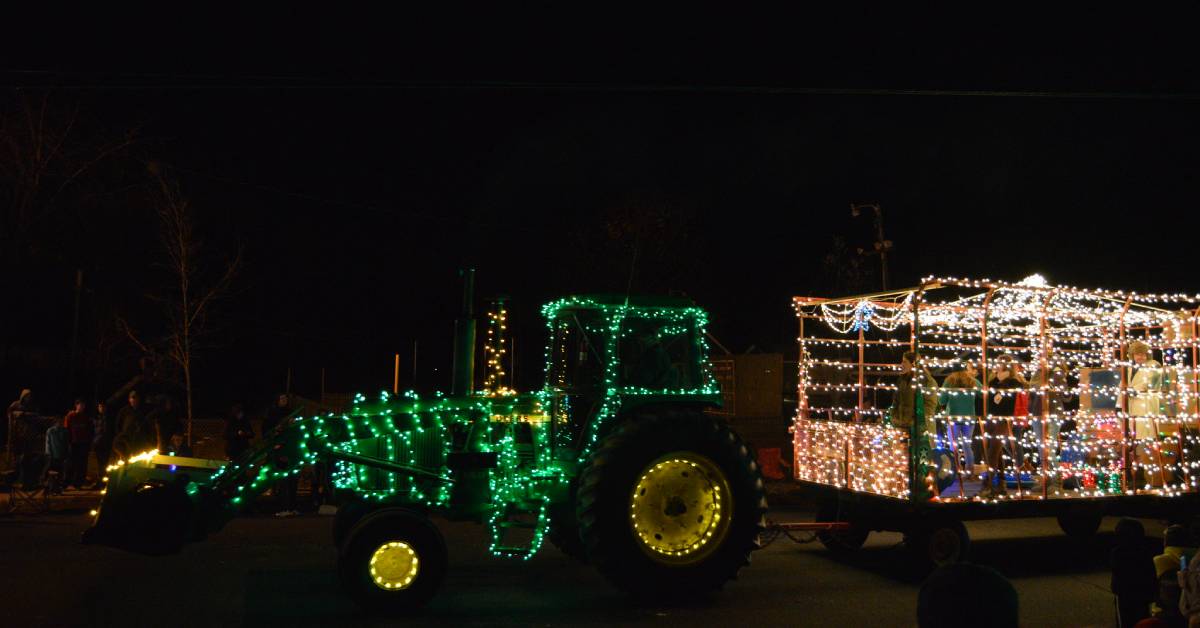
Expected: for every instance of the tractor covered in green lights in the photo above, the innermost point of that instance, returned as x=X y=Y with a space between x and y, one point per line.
x=615 y=461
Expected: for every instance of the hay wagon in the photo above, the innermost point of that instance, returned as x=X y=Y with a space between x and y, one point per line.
x=1099 y=418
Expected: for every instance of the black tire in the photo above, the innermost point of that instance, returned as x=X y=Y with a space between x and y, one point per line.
x=840 y=541
x=606 y=492
x=1080 y=525
x=347 y=515
x=370 y=534
x=564 y=528
x=937 y=542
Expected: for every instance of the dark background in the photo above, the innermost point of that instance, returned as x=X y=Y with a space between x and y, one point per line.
x=359 y=173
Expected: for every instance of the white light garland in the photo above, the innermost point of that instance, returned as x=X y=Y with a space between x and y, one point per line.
x=1039 y=328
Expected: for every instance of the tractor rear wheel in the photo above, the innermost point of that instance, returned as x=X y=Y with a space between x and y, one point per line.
x=393 y=561
x=671 y=504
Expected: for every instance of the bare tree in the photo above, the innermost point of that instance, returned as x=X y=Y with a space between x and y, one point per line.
x=188 y=303
x=43 y=157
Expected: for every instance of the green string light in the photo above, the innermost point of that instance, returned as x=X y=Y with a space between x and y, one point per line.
x=535 y=457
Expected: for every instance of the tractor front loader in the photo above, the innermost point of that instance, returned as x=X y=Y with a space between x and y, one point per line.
x=615 y=461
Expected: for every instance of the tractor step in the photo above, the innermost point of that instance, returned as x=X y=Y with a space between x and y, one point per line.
x=520 y=525
x=512 y=552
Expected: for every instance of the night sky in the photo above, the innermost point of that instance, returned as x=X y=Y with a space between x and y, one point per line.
x=359 y=185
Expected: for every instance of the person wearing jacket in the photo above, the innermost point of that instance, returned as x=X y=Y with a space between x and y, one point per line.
x=134 y=433
x=1045 y=432
x=1189 y=596
x=285 y=488
x=238 y=432
x=903 y=409
x=997 y=428
x=164 y=421
x=57 y=449
x=102 y=438
x=25 y=428
x=1133 y=582
x=959 y=394
x=1143 y=403
x=79 y=443
x=1178 y=546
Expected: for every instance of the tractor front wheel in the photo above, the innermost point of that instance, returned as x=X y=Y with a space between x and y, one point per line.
x=671 y=504
x=393 y=561
x=564 y=529
x=348 y=514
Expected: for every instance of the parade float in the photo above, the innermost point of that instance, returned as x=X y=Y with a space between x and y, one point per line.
x=1094 y=414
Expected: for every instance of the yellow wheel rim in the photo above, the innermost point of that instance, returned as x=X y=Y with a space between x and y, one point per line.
x=394 y=565
x=681 y=508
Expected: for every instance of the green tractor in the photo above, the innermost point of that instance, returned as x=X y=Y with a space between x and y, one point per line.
x=615 y=460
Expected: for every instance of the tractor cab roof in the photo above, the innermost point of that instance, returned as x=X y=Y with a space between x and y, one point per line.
x=641 y=305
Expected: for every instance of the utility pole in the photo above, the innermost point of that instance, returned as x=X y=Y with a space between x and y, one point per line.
x=882 y=244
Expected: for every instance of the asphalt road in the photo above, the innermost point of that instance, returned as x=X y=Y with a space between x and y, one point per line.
x=265 y=571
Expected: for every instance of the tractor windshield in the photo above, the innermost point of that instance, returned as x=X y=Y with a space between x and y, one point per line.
x=658 y=354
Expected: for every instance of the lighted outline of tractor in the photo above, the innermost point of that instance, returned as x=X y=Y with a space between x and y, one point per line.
x=615 y=461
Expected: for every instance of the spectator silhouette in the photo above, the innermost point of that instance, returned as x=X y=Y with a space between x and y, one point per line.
x=963 y=594
x=1133 y=580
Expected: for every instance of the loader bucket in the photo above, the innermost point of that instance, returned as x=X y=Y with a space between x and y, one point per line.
x=154 y=504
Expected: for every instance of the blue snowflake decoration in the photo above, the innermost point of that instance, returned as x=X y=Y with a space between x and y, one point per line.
x=863 y=312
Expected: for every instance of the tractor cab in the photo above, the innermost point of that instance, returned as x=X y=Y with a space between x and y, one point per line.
x=610 y=353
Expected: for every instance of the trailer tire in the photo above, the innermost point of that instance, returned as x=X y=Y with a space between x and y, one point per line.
x=1080 y=525
x=393 y=561
x=840 y=541
x=640 y=489
x=938 y=542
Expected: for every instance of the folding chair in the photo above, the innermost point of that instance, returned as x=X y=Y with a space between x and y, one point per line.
x=32 y=497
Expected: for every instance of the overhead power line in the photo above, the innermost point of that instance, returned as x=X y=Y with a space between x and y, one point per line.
x=121 y=81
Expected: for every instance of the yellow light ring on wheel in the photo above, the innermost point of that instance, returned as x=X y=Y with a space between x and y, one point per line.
x=394 y=565
x=681 y=508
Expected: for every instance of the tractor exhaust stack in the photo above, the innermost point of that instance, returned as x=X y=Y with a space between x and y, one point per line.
x=463 y=380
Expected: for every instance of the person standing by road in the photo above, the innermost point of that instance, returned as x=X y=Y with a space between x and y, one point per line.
x=57 y=449
x=1133 y=582
x=102 y=438
x=278 y=416
x=79 y=443
x=23 y=430
x=134 y=434
x=165 y=422
x=1189 y=598
x=238 y=432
